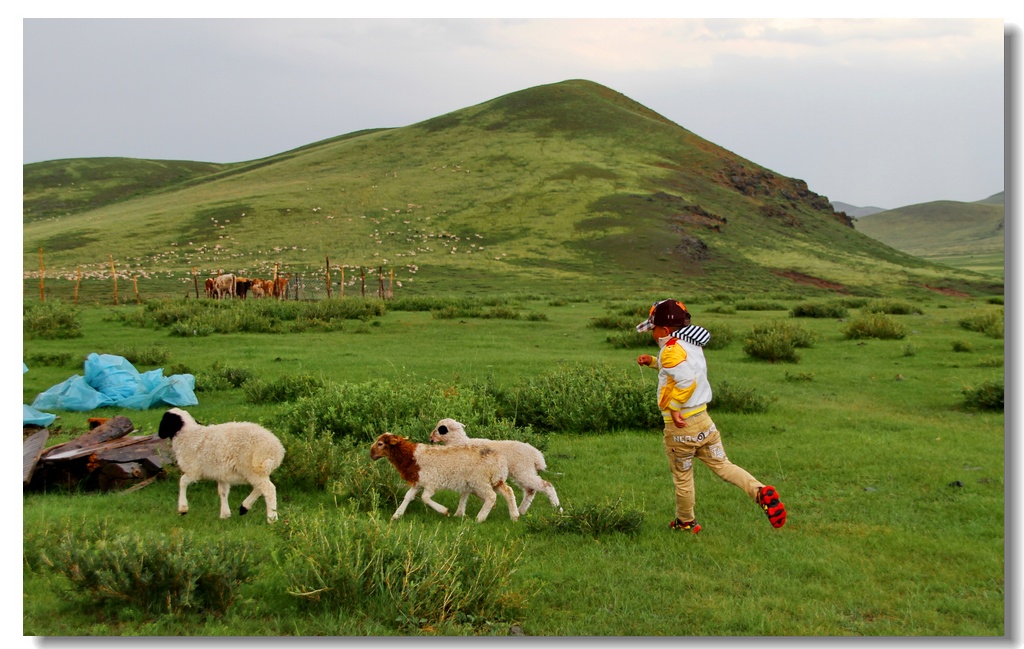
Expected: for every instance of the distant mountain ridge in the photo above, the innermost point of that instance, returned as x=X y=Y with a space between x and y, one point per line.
x=965 y=235
x=854 y=211
x=564 y=186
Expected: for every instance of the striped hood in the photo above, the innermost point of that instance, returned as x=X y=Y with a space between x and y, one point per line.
x=693 y=334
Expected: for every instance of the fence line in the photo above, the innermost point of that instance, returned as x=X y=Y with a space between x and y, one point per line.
x=303 y=283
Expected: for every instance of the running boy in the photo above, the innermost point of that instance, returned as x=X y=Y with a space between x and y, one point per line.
x=683 y=395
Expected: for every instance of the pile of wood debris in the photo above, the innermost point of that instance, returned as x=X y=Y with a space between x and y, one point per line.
x=106 y=458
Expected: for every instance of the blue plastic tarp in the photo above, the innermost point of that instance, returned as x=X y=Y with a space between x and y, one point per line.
x=31 y=416
x=112 y=381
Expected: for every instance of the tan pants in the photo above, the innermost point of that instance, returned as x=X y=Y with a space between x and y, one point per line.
x=700 y=439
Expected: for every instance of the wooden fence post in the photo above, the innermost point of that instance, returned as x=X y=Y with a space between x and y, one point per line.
x=362 y=274
x=380 y=282
x=78 y=281
x=113 y=274
x=327 y=258
x=42 y=274
x=135 y=283
x=195 y=280
x=341 y=284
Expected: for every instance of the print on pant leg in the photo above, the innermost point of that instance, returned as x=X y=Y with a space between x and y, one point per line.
x=684 y=463
x=716 y=451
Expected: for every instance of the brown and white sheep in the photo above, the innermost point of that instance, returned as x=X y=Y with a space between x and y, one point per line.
x=524 y=460
x=465 y=469
x=236 y=452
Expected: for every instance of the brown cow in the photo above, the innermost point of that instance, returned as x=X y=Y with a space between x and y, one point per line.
x=268 y=287
x=209 y=287
x=280 y=287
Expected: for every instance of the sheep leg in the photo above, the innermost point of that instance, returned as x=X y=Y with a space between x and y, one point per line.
x=183 y=484
x=436 y=506
x=510 y=499
x=223 y=489
x=549 y=491
x=409 y=496
x=463 y=497
x=266 y=489
x=528 y=495
x=489 y=497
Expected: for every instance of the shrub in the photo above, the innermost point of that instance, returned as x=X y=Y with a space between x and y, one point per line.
x=580 y=399
x=153 y=355
x=875 y=325
x=631 y=340
x=627 y=323
x=222 y=377
x=759 y=305
x=365 y=410
x=997 y=299
x=589 y=519
x=962 y=346
x=777 y=341
x=279 y=390
x=990 y=324
x=399 y=574
x=729 y=398
x=721 y=336
x=818 y=310
x=60 y=359
x=910 y=349
x=50 y=321
x=987 y=396
x=721 y=308
x=892 y=307
x=157 y=574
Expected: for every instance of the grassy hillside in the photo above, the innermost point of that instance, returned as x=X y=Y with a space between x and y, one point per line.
x=963 y=235
x=569 y=186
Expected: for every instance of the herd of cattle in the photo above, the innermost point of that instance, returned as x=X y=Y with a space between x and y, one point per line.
x=228 y=285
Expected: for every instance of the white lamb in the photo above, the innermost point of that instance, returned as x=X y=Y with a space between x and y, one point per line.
x=236 y=452
x=463 y=469
x=524 y=460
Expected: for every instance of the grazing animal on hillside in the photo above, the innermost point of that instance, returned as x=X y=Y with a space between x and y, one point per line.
x=524 y=460
x=209 y=287
x=465 y=469
x=281 y=287
x=236 y=452
x=242 y=287
x=224 y=285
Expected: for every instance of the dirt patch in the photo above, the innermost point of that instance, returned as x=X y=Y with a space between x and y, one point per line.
x=800 y=278
x=945 y=291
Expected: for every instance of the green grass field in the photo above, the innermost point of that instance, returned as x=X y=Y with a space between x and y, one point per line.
x=894 y=486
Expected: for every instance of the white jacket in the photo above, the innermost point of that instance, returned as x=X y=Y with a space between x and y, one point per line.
x=682 y=375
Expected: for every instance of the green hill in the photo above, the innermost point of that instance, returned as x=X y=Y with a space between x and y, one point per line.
x=963 y=235
x=563 y=188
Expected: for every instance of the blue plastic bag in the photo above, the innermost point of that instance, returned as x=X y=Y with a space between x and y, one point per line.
x=32 y=417
x=112 y=381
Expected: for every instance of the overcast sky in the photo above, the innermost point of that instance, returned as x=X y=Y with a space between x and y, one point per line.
x=873 y=112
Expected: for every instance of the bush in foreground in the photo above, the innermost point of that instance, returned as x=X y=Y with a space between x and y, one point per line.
x=875 y=325
x=987 y=396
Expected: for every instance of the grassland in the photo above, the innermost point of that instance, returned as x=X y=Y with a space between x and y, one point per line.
x=569 y=184
x=960 y=235
x=895 y=487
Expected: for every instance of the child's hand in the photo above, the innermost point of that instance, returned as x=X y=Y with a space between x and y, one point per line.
x=678 y=419
x=644 y=359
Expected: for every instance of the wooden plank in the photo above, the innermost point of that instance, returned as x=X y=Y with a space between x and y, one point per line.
x=113 y=428
x=70 y=454
x=32 y=448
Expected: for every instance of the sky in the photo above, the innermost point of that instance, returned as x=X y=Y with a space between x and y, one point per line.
x=879 y=112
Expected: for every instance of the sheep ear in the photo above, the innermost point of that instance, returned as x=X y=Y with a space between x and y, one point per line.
x=442 y=429
x=170 y=425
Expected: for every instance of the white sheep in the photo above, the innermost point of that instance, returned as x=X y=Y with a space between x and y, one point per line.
x=463 y=469
x=236 y=452
x=524 y=460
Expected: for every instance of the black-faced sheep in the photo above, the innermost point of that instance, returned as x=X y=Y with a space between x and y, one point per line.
x=464 y=469
x=524 y=460
x=236 y=452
